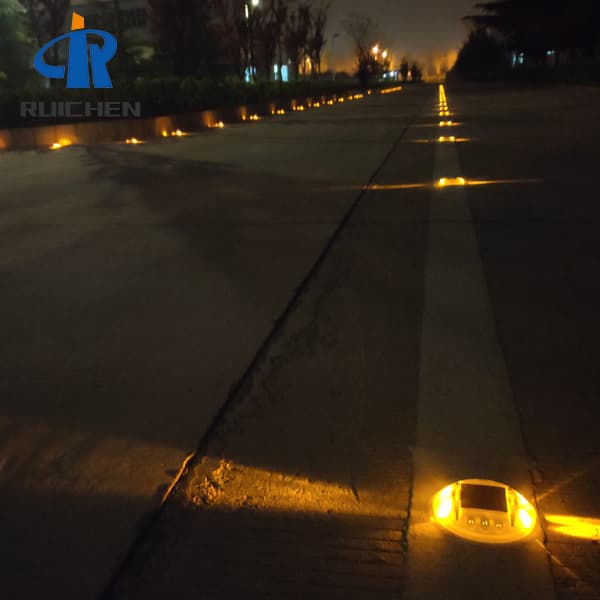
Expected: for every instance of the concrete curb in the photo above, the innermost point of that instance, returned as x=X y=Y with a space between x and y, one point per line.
x=97 y=132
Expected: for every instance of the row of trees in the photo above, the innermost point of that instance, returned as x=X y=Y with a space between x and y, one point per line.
x=194 y=37
x=371 y=61
x=206 y=38
x=246 y=38
x=536 y=26
x=537 y=31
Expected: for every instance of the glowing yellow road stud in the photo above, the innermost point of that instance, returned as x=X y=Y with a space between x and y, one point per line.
x=451 y=182
x=484 y=511
x=62 y=143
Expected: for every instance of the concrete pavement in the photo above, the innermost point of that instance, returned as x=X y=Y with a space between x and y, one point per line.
x=137 y=285
x=137 y=294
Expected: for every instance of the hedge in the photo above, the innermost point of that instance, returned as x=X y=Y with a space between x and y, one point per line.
x=168 y=96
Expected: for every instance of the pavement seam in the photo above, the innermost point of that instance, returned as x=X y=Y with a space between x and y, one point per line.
x=148 y=523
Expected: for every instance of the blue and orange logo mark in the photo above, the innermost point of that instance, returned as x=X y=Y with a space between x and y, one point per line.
x=83 y=57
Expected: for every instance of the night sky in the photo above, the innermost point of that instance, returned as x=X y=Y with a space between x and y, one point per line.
x=417 y=28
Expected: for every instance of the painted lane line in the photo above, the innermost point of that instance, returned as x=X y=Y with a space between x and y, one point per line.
x=467 y=423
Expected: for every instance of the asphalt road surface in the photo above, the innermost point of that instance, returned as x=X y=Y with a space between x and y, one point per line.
x=290 y=334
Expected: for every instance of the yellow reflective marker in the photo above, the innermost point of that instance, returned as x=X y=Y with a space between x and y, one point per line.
x=446 y=182
x=392 y=90
x=61 y=143
x=451 y=182
x=447 y=123
x=481 y=510
x=444 y=139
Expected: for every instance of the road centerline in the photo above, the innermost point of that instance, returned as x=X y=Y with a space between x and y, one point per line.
x=467 y=426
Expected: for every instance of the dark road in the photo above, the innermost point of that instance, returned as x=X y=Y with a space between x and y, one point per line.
x=331 y=335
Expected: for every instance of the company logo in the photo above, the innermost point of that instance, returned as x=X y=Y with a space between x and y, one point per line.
x=83 y=57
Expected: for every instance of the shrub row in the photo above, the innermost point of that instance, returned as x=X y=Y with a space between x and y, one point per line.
x=167 y=96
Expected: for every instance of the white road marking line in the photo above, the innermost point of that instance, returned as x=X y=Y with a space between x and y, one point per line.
x=467 y=423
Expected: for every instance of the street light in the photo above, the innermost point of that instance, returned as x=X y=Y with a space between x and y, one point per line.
x=375 y=49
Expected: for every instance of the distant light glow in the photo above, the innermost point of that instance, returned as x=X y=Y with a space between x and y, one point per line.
x=584 y=528
x=133 y=141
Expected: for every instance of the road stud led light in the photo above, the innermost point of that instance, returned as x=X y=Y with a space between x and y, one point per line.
x=451 y=182
x=62 y=143
x=484 y=511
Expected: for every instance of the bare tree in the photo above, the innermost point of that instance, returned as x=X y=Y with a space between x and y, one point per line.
x=265 y=30
x=363 y=32
x=296 y=34
x=231 y=30
x=316 y=38
x=279 y=10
